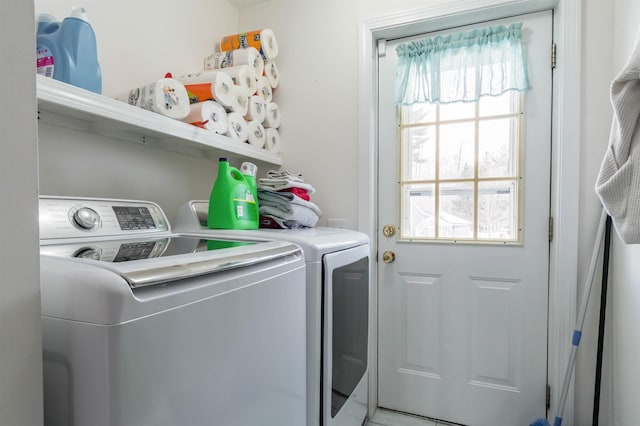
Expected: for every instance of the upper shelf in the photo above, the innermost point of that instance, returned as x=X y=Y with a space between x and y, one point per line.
x=113 y=118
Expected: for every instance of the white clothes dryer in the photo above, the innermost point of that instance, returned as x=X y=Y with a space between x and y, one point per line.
x=144 y=326
x=337 y=277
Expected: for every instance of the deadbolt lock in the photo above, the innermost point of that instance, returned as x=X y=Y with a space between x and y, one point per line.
x=388 y=256
x=389 y=230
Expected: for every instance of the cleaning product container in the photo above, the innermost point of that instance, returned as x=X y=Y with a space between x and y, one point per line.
x=232 y=204
x=67 y=50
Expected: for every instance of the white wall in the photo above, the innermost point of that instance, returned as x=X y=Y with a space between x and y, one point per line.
x=609 y=32
x=20 y=341
x=625 y=277
x=597 y=72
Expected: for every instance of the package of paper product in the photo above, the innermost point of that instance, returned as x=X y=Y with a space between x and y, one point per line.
x=233 y=58
x=272 y=116
x=241 y=102
x=256 y=109
x=209 y=85
x=272 y=141
x=237 y=127
x=257 y=134
x=165 y=96
x=209 y=115
x=263 y=40
x=244 y=77
x=264 y=89
x=272 y=74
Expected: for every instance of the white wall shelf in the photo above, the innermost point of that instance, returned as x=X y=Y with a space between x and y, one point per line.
x=65 y=105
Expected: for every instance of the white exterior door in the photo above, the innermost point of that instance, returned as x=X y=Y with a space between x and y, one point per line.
x=463 y=321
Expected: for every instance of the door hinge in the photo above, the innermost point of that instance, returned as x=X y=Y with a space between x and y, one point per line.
x=548 y=397
x=382 y=48
x=550 y=228
x=554 y=49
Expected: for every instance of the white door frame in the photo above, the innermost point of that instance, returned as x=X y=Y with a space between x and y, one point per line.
x=565 y=162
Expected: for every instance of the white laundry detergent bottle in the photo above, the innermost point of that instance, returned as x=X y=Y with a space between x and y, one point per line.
x=67 y=50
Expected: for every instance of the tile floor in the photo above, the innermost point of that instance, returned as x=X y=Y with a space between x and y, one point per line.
x=383 y=417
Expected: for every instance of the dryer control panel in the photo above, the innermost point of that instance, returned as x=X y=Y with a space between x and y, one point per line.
x=89 y=217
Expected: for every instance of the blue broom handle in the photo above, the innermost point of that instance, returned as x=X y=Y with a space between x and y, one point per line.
x=577 y=333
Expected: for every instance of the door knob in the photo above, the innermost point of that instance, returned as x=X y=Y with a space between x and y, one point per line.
x=389 y=230
x=388 y=256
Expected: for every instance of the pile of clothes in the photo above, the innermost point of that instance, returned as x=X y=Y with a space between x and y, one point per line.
x=285 y=202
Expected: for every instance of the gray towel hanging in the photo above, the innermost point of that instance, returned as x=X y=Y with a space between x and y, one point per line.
x=618 y=183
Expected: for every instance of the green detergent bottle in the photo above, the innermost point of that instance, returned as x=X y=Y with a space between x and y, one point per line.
x=232 y=204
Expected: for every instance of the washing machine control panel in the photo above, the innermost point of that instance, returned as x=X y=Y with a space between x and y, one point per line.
x=82 y=217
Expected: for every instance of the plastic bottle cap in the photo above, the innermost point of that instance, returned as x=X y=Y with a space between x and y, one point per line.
x=79 y=12
x=223 y=159
x=45 y=17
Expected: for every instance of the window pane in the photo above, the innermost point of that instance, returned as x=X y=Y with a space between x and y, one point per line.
x=497 y=210
x=456 y=150
x=499 y=105
x=419 y=153
x=457 y=111
x=419 y=113
x=456 y=210
x=496 y=156
x=418 y=207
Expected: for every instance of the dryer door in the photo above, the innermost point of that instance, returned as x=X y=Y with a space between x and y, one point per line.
x=345 y=336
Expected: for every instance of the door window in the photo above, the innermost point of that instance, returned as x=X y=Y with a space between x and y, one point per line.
x=460 y=174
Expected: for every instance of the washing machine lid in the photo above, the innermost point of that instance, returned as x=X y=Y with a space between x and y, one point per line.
x=315 y=242
x=144 y=261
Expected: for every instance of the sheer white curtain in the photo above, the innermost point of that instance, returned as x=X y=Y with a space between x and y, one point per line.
x=461 y=67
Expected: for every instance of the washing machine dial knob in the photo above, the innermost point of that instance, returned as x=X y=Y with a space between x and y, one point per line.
x=88 y=253
x=86 y=218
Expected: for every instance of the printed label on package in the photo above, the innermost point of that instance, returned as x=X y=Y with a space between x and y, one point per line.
x=45 y=63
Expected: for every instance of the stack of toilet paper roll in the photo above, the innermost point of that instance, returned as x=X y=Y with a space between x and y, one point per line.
x=166 y=96
x=241 y=79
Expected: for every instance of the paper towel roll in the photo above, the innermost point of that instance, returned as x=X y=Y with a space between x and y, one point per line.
x=209 y=85
x=165 y=96
x=257 y=134
x=241 y=102
x=272 y=74
x=243 y=76
x=238 y=128
x=272 y=116
x=272 y=141
x=209 y=115
x=264 y=40
x=256 y=109
x=233 y=58
x=264 y=89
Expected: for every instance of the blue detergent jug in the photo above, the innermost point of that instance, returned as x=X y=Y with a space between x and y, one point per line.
x=67 y=50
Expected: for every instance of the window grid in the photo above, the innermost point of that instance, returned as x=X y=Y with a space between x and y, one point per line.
x=476 y=180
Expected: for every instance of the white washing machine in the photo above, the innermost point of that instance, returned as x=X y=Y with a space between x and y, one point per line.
x=338 y=285
x=144 y=326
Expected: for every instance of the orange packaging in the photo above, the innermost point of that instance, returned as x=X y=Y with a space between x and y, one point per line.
x=241 y=41
x=262 y=40
x=199 y=92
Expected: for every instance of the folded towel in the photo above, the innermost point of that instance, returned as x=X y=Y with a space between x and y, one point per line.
x=280 y=184
x=300 y=214
x=302 y=193
x=284 y=174
x=273 y=222
x=618 y=183
x=284 y=200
